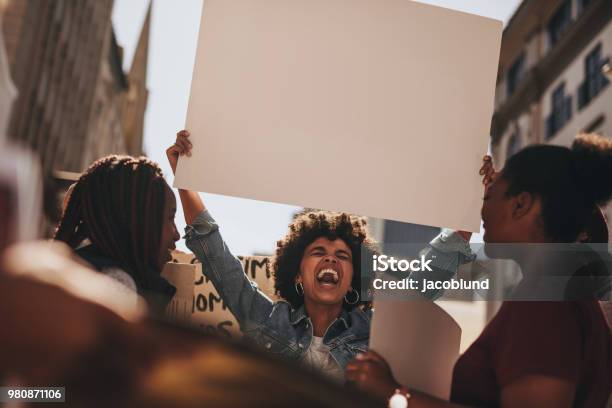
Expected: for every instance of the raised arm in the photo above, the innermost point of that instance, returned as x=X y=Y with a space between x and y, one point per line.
x=246 y=302
x=447 y=252
x=191 y=200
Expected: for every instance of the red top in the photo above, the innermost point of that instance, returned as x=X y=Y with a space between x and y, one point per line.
x=566 y=340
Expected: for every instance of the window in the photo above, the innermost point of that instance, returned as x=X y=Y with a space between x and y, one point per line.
x=559 y=22
x=515 y=74
x=561 y=111
x=594 y=79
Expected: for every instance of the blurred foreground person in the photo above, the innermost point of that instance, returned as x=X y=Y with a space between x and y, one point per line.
x=20 y=195
x=532 y=353
x=62 y=330
x=54 y=309
x=119 y=217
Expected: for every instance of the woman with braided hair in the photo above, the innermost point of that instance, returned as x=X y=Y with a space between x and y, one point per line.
x=119 y=217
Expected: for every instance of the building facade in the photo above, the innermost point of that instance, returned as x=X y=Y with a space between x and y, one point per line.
x=554 y=76
x=72 y=91
x=135 y=101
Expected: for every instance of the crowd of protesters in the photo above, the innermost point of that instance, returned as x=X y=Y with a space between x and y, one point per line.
x=86 y=310
x=83 y=311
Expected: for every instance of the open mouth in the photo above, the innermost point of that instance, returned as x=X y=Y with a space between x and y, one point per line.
x=328 y=277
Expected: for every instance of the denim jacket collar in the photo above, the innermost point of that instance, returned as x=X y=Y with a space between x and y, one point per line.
x=299 y=314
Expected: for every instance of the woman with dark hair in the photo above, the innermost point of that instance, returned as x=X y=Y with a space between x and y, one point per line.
x=307 y=230
x=119 y=217
x=532 y=353
x=321 y=320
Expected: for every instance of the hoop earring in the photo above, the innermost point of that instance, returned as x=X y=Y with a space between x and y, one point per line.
x=299 y=288
x=356 y=297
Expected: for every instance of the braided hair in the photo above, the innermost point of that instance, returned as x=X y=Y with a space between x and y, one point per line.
x=118 y=204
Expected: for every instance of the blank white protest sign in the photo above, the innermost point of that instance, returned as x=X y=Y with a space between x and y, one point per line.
x=375 y=107
x=420 y=341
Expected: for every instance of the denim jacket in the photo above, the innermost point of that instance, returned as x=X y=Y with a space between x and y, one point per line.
x=276 y=326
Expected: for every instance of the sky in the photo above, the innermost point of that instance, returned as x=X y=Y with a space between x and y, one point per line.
x=248 y=226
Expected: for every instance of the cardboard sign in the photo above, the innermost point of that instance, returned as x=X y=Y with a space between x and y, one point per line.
x=420 y=341
x=182 y=277
x=197 y=302
x=375 y=107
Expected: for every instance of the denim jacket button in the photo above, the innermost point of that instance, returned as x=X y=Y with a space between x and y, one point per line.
x=268 y=345
x=300 y=345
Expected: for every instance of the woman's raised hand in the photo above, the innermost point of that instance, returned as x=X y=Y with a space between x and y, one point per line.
x=191 y=200
x=181 y=147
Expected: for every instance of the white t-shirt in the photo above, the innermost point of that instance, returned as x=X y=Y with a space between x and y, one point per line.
x=319 y=358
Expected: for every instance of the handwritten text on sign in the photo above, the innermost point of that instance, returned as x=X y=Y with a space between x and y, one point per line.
x=201 y=305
